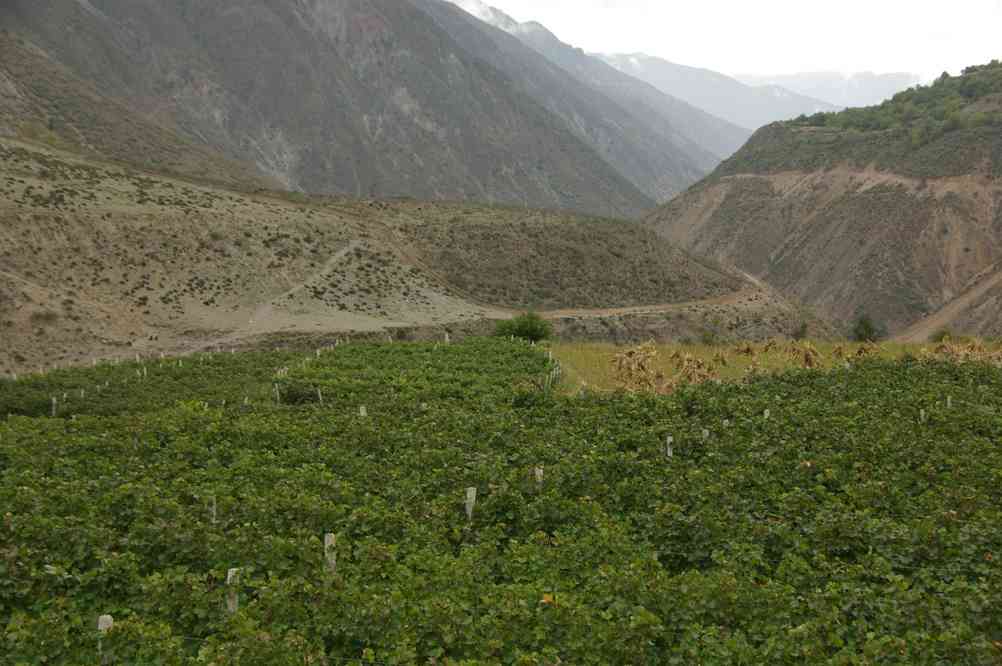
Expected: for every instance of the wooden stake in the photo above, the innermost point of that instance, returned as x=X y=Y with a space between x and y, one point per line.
x=330 y=552
x=212 y=509
x=53 y=406
x=363 y=412
x=669 y=447
x=538 y=473
x=104 y=625
x=471 y=501
x=233 y=594
x=320 y=396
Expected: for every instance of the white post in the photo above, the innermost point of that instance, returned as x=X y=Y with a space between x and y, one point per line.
x=53 y=406
x=212 y=509
x=277 y=394
x=768 y=414
x=669 y=447
x=538 y=472
x=320 y=396
x=330 y=552
x=104 y=625
x=949 y=401
x=233 y=594
x=363 y=412
x=471 y=501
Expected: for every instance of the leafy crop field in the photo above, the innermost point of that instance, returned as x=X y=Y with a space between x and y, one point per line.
x=846 y=516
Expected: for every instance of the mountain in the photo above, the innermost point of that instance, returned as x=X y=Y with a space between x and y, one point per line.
x=664 y=143
x=99 y=259
x=893 y=211
x=744 y=105
x=841 y=90
x=359 y=97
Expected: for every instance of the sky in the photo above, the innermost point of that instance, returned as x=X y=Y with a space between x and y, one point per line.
x=924 y=37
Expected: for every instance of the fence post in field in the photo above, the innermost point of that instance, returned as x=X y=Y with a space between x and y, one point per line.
x=53 y=406
x=949 y=402
x=330 y=552
x=232 y=594
x=362 y=411
x=278 y=397
x=212 y=509
x=768 y=414
x=538 y=473
x=320 y=396
x=669 y=447
x=471 y=501
x=104 y=625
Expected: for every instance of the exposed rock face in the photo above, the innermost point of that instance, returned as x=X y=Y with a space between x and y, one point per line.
x=361 y=97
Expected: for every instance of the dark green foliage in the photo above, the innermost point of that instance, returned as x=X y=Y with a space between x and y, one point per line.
x=529 y=326
x=866 y=330
x=844 y=529
x=941 y=130
x=801 y=332
x=942 y=335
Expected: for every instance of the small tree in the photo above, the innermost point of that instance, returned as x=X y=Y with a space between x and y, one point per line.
x=529 y=326
x=865 y=330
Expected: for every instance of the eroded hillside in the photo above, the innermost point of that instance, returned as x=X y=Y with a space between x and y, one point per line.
x=896 y=221
x=99 y=260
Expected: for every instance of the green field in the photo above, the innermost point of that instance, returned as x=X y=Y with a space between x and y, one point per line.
x=845 y=516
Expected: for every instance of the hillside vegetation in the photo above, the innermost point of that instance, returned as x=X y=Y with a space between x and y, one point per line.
x=476 y=517
x=950 y=128
x=893 y=212
x=98 y=260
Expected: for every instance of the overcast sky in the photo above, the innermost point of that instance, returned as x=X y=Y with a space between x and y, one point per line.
x=925 y=37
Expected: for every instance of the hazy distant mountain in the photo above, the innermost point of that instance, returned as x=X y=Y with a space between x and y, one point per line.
x=864 y=89
x=723 y=96
x=693 y=132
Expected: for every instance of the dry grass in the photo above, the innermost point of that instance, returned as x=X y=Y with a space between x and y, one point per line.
x=661 y=368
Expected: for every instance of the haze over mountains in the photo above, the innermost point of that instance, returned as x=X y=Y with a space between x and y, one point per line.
x=841 y=90
x=750 y=106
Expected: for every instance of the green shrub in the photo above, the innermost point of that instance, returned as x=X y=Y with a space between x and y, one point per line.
x=942 y=335
x=800 y=333
x=866 y=330
x=529 y=326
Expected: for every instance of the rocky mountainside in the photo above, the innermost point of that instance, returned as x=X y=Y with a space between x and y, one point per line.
x=98 y=259
x=842 y=90
x=893 y=211
x=363 y=97
x=369 y=98
x=744 y=105
x=700 y=135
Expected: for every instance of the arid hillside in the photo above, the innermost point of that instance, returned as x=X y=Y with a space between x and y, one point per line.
x=99 y=260
x=894 y=211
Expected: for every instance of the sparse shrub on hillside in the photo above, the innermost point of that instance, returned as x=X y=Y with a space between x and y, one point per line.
x=529 y=326
x=801 y=332
x=942 y=335
x=866 y=330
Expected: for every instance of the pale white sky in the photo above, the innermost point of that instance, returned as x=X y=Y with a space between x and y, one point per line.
x=925 y=37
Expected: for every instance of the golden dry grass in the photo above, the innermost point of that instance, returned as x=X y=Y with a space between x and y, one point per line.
x=660 y=367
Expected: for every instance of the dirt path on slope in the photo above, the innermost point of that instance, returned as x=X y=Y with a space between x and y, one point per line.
x=922 y=330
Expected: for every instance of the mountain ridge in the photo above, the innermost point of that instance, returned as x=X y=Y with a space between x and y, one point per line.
x=891 y=211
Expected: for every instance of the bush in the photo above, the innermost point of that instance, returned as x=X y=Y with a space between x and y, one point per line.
x=865 y=330
x=942 y=335
x=529 y=326
x=800 y=333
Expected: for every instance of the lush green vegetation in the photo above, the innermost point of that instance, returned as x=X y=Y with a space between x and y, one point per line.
x=928 y=112
x=844 y=517
x=529 y=326
x=945 y=129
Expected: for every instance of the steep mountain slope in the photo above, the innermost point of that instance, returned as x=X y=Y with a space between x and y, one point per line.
x=660 y=143
x=43 y=101
x=364 y=97
x=723 y=96
x=695 y=132
x=843 y=90
x=100 y=260
x=894 y=210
